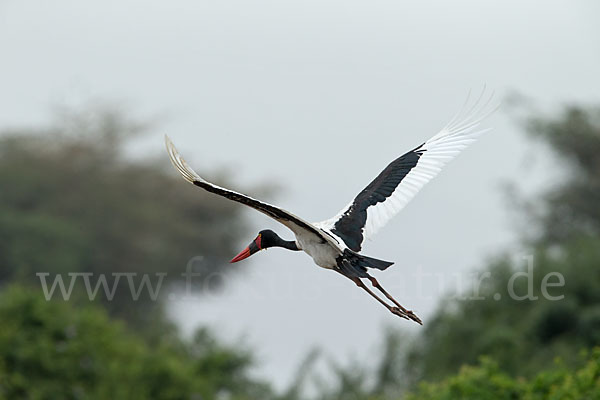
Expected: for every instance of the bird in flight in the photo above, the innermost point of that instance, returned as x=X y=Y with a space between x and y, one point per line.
x=336 y=243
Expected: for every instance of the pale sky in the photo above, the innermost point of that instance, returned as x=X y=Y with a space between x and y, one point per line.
x=316 y=97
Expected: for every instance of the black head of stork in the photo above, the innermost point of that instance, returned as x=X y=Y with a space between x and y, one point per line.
x=265 y=239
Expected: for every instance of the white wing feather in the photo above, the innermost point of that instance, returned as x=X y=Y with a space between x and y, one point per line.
x=461 y=131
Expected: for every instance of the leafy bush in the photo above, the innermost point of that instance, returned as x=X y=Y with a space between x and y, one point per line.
x=52 y=350
x=487 y=382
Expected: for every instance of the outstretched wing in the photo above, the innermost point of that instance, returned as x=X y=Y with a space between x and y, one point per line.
x=293 y=222
x=400 y=181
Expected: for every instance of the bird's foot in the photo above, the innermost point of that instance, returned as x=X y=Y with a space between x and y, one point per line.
x=414 y=317
x=406 y=314
x=397 y=311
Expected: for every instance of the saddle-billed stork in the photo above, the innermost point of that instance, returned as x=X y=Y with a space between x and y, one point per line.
x=335 y=243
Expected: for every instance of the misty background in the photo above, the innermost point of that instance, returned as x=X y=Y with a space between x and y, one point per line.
x=313 y=99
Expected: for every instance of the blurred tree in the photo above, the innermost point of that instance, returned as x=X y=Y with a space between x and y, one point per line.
x=571 y=208
x=355 y=381
x=524 y=336
x=53 y=350
x=484 y=382
x=71 y=201
x=487 y=381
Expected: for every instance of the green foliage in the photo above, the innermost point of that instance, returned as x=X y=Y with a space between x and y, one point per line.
x=488 y=382
x=485 y=382
x=523 y=336
x=52 y=350
x=73 y=202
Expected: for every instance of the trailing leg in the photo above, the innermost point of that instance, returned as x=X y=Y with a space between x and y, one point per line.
x=394 y=310
x=406 y=312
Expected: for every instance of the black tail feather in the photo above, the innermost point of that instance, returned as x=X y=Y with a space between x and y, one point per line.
x=355 y=265
x=370 y=262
